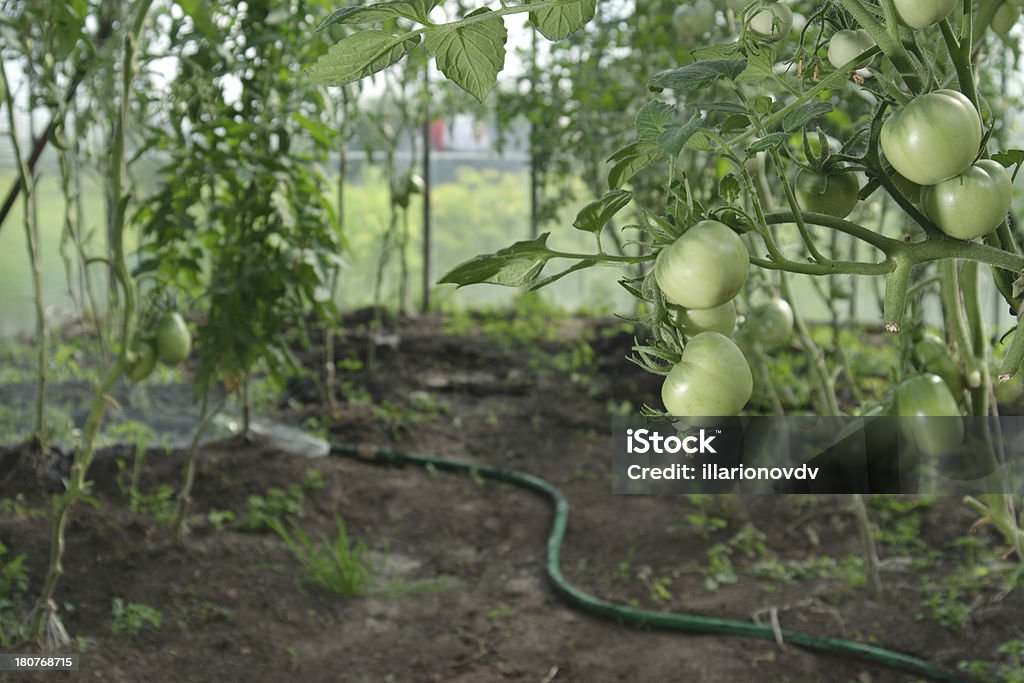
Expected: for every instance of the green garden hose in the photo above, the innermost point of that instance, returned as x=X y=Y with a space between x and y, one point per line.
x=690 y=623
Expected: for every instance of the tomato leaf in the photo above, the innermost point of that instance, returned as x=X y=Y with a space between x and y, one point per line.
x=772 y=141
x=360 y=55
x=513 y=266
x=556 y=23
x=729 y=188
x=698 y=75
x=1011 y=157
x=414 y=10
x=673 y=139
x=586 y=263
x=594 y=216
x=801 y=116
x=653 y=118
x=630 y=160
x=471 y=55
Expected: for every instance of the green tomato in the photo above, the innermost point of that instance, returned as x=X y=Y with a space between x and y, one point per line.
x=718 y=319
x=704 y=268
x=847 y=44
x=694 y=20
x=416 y=185
x=712 y=379
x=770 y=324
x=972 y=204
x=835 y=195
x=771 y=23
x=923 y=13
x=932 y=355
x=145 y=361
x=173 y=340
x=929 y=415
x=934 y=138
x=1005 y=18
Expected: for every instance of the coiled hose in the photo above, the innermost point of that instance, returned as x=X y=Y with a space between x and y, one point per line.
x=690 y=623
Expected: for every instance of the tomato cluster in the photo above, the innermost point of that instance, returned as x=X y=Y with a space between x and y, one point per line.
x=170 y=342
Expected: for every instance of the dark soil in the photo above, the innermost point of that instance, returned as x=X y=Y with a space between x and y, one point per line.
x=459 y=594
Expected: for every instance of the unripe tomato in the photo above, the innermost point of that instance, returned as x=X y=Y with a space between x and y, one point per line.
x=1005 y=18
x=712 y=379
x=704 y=268
x=770 y=324
x=934 y=138
x=931 y=355
x=694 y=20
x=718 y=319
x=145 y=361
x=972 y=204
x=847 y=44
x=416 y=185
x=835 y=195
x=929 y=415
x=923 y=13
x=173 y=340
x=771 y=23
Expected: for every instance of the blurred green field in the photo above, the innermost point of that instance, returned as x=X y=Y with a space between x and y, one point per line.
x=482 y=211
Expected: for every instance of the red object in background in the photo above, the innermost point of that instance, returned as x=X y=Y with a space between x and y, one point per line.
x=438 y=135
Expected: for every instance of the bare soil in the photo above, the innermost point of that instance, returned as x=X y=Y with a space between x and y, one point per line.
x=459 y=594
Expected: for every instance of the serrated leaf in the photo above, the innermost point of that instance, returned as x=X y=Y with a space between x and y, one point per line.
x=719 y=51
x=556 y=23
x=360 y=55
x=729 y=189
x=727 y=107
x=772 y=141
x=735 y=122
x=630 y=160
x=653 y=118
x=472 y=54
x=513 y=266
x=801 y=116
x=1011 y=157
x=698 y=75
x=414 y=10
x=594 y=216
x=674 y=138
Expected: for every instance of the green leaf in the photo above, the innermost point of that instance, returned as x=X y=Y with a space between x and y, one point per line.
x=728 y=107
x=560 y=22
x=674 y=138
x=544 y=282
x=1011 y=157
x=360 y=55
x=630 y=160
x=719 y=51
x=320 y=132
x=471 y=54
x=773 y=141
x=801 y=116
x=729 y=189
x=653 y=118
x=414 y=10
x=594 y=216
x=513 y=266
x=698 y=75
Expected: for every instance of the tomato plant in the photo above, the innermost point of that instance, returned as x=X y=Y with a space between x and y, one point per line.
x=711 y=379
x=847 y=44
x=834 y=194
x=720 y=319
x=769 y=325
x=923 y=13
x=934 y=138
x=932 y=356
x=971 y=204
x=173 y=340
x=929 y=415
x=704 y=268
x=771 y=23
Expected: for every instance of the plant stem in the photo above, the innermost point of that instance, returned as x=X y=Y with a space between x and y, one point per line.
x=185 y=495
